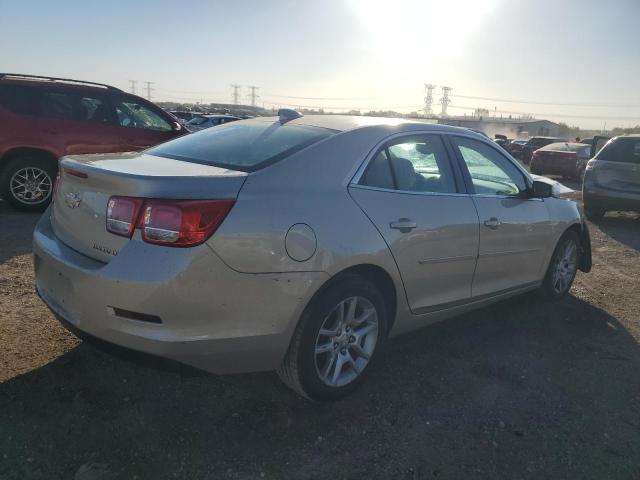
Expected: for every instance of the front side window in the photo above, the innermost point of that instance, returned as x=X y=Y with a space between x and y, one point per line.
x=135 y=115
x=416 y=163
x=244 y=146
x=491 y=173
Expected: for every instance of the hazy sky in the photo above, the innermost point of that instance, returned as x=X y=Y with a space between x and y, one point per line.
x=345 y=53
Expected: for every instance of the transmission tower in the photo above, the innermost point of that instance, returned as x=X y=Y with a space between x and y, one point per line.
x=253 y=95
x=236 y=93
x=132 y=85
x=428 y=99
x=445 y=100
x=148 y=88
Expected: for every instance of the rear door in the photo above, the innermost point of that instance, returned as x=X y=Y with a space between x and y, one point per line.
x=78 y=121
x=410 y=192
x=514 y=231
x=140 y=125
x=620 y=169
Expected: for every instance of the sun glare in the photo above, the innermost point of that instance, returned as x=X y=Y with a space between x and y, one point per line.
x=419 y=31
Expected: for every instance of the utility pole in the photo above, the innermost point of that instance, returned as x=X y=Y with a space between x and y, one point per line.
x=132 y=85
x=236 y=93
x=253 y=95
x=148 y=88
x=445 y=100
x=428 y=99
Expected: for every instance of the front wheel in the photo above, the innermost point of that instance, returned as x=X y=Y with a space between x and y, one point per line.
x=336 y=340
x=563 y=267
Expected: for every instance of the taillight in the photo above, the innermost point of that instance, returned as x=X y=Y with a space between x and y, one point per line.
x=176 y=223
x=122 y=215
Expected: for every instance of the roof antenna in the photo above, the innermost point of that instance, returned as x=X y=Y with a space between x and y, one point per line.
x=287 y=114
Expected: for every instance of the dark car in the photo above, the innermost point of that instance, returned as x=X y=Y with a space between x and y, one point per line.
x=183 y=117
x=514 y=147
x=565 y=159
x=207 y=121
x=612 y=178
x=534 y=143
x=45 y=118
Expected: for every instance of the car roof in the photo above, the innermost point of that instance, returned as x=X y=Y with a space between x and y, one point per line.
x=216 y=115
x=344 y=123
x=38 y=80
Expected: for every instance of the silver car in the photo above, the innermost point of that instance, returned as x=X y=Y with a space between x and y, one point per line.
x=298 y=243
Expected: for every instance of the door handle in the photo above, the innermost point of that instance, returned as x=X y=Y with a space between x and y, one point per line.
x=404 y=225
x=493 y=223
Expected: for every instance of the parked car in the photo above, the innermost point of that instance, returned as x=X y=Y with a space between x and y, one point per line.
x=183 y=117
x=565 y=159
x=501 y=140
x=303 y=242
x=207 y=121
x=44 y=118
x=533 y=144
x=515 y=147
x=612 y=178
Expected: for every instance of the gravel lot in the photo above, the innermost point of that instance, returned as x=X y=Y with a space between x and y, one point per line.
x=518 y=390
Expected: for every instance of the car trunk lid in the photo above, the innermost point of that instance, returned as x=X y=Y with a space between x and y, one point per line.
x=87 y=182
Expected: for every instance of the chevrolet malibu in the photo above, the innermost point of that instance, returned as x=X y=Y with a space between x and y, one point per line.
x=298 y=243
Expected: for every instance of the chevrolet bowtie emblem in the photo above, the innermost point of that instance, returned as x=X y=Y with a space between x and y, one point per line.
x=72 y=200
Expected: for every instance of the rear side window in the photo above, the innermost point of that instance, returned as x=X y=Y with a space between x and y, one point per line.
x=75 y=106
x=415 y=163
x=19 y=99
x=245 y=146
x=625 y=150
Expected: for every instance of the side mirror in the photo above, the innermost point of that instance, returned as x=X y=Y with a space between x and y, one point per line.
x=176 y=127
x=541 y=189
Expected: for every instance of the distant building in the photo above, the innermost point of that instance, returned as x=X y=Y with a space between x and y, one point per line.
x=512 y=128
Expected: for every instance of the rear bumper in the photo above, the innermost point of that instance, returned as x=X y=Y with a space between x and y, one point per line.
x=212 y=317
x=596 y=197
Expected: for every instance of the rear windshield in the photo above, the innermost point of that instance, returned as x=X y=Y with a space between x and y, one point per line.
x=567 y=147
x=245 y=146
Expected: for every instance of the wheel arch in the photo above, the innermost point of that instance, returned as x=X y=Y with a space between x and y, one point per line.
x=15 y=152
x=378 y=276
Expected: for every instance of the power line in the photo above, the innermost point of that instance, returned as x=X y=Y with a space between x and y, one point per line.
x=556 y=115
x=535 y=102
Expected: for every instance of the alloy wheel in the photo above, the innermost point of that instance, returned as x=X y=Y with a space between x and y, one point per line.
x=565 y=267
x=31 y=185
x=346 y=341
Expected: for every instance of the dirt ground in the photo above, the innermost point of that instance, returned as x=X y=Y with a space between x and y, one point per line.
x=518 y=390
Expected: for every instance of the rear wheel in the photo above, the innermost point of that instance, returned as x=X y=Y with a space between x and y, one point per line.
x=563 y=267
x=27 y=182
x=336 y=340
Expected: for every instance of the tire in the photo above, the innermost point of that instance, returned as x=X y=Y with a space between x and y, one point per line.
x=38 y=172
x=594 y=214
x=562 y=271
x=303 y=368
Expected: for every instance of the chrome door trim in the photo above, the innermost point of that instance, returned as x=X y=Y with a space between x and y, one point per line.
x=509 y=252
x=458 y=258
x=408 y=192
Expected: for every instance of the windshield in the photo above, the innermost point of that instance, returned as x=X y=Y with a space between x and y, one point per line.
x=244 y=146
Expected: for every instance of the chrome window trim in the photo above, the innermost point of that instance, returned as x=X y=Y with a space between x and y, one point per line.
x=355 y=181
x=407 y=192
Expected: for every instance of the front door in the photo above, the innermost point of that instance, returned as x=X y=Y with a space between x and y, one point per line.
x=411 y=194
x=514 y=230
x=140 y=126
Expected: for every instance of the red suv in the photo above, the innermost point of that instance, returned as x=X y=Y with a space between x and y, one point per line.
x=45 y=118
